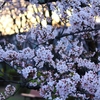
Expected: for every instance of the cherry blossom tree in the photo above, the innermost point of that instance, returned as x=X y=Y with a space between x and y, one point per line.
x=60 y=62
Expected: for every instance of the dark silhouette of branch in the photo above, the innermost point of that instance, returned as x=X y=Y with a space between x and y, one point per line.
x=76 y=33
x=22 y=84
x=44 y=1
x=9 y=81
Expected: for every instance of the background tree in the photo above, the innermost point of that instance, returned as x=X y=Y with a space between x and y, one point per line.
x=60 y=62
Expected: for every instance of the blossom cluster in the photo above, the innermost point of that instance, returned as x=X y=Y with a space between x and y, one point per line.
x=9 y=91
x=29 y=70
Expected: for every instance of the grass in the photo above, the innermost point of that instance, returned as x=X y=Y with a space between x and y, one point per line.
x=16 y=97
